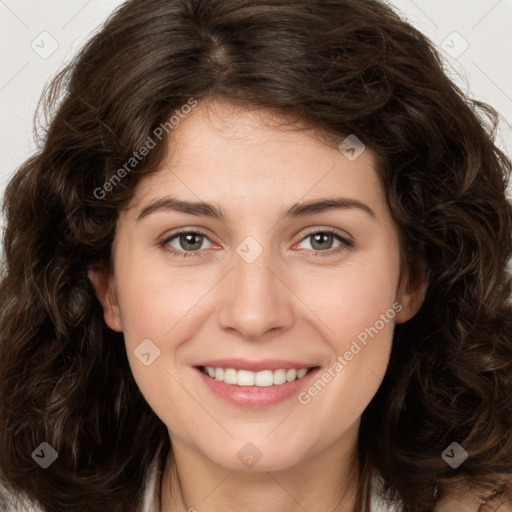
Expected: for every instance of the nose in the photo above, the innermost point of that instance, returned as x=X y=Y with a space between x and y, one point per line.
x=255 y=298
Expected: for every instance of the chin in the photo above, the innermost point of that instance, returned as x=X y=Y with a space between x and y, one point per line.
x=251 y=457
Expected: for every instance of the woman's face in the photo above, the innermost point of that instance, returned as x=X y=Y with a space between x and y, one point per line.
x=273 y=292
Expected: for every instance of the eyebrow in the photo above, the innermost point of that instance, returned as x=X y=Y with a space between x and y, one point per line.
x=297 y=210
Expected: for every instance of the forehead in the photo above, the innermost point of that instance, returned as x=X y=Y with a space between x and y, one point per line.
x=225 y=152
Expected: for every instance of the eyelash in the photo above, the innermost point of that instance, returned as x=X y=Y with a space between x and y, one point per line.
x=345 y=243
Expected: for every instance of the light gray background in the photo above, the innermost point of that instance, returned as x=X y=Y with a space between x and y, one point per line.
x=38 y=37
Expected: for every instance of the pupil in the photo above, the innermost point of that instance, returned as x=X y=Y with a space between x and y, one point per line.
x=189 y=241
x=318 y=238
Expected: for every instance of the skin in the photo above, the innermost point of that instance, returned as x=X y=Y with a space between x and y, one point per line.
x=287 y=304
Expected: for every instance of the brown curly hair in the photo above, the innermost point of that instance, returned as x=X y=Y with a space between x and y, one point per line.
x=342 y=66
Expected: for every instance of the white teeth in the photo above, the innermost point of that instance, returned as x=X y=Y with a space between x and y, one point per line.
x=230 y=376
x=245 y=378
x=301 y=373
x=264 y=378
x=291 y=375
x=279 y=376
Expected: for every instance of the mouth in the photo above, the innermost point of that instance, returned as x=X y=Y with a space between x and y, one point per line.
x=255 y=389
x=260 y=379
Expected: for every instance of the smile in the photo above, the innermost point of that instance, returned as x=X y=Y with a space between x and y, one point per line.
x=255 y=389
x=265 y=378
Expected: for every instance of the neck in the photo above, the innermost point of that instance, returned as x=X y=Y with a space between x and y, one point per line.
x=325 y=481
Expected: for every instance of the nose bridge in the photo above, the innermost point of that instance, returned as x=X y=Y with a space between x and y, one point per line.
x=256 y=300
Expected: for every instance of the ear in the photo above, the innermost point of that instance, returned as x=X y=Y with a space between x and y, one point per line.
x=102 y=281
x=410 y=295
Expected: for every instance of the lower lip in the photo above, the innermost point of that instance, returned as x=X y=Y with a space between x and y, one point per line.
x=253 y=396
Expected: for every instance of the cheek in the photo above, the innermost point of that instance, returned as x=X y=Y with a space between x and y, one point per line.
x=155 y=305
x=353 y=297
x=163 y=306
x=359 y=313
x=155 y=300
x=357 y=308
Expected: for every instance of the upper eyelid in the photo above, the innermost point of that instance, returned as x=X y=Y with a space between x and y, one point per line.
x=339 y=232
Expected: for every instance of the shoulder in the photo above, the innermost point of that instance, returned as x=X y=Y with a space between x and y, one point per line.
x=10 y=503
x=462 y=501
x=470 y=502
x=378 y=504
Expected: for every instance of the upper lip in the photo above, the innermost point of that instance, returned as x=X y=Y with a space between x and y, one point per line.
x=255 y=366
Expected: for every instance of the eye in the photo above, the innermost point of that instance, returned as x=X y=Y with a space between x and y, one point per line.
x=322 y=241
x=187 y=241
x=190 y=243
